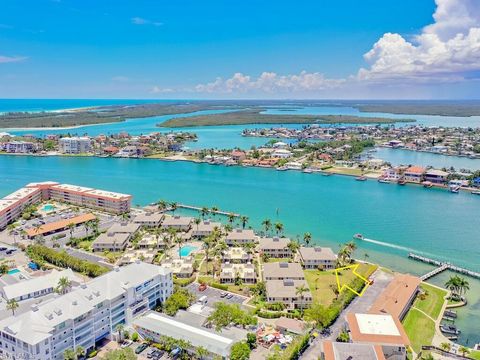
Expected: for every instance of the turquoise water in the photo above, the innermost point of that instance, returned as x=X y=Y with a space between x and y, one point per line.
x=36 y=105
x=406 y=157
x=13 y=271
x=48 y=207
x=186 y=250
x=399 y=218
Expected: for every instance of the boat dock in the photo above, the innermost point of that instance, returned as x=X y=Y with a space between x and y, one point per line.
x=197 y=208
x=441 y=266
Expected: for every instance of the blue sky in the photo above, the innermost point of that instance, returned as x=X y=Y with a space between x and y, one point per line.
x=229 y=49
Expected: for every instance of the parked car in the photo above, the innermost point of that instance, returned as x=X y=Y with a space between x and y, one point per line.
x=223 y=294
x=126 y=343
x=140 y=348
x=202 y=287
x=229 y=296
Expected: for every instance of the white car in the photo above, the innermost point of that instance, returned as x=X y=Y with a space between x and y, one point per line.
x=126 y=343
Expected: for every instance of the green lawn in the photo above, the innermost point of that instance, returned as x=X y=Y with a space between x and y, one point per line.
x=474 y=355
x=419 y=328
x=323 y=283
x=433 y=302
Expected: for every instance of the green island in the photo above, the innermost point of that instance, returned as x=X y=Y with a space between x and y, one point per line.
x=254 y=116
x=453 y=109
x=99 y=115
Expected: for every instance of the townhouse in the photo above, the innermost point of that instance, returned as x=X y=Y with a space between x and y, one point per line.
x=240 y=237
x=317 y=258
x=205 y=228
x=275 y=247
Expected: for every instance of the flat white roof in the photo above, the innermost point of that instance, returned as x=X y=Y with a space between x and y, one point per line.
x=108 y=194
x=374 y=324
x=197 y=336
x=69 y=187
x=20 y=193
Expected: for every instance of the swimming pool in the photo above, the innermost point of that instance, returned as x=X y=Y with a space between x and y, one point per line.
x=186 y=250
x=48 y=207
x=13 y=271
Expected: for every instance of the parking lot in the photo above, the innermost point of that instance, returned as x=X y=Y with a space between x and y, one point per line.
x=215 y=295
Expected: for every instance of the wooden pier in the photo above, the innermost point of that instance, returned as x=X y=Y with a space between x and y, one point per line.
x=441 y=266
x=197 y=208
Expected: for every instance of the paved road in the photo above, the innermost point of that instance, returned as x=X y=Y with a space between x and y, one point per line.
x=360 y=304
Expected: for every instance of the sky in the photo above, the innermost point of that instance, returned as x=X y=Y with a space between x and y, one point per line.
x=189 y=49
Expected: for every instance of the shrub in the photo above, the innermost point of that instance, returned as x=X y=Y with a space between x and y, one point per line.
x=184 y=282
x=135 y=336
x=92 y=354
x=219 y=286
x=269 y=314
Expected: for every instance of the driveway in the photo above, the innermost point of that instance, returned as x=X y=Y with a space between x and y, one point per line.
x=361 y=304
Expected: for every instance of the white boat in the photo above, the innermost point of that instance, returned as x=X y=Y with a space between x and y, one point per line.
x=358 y=236
x=384 y=181
x=476 y=192
x=307 y=171
x=454 y=189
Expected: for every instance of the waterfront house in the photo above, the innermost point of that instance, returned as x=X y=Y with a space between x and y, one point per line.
x=231 y=273
x=240 y=237
x=180 y=223
x=285 y=292
x=237 y=255
x=394 y=174
x=414 y=174
x=111 y=242
x=205 y=228
x=379 y=329
x=282 y=270
x=436 y=176
x=317 y=258
x=282 y=153
x=149 y=219
x=275 y=247
x=238 y=155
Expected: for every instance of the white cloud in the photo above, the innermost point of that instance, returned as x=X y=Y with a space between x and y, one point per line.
x=142 y=21
x=11 y=59
x=446 y=50
x=160 y=90
x=270 y=82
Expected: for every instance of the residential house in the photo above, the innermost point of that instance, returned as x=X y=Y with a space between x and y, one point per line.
x=180 y=223
x=237 y=255
x=240 y=237
x=282 y=270
x=111 y=242
x=231 y=273
x=436 y=176
x=149 y=219
x=414 y=174
x=205 y=228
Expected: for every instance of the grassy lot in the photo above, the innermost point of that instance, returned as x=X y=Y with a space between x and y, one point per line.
x=474 y=355
x=419 y=328
x=433 y=301
x=322 y=284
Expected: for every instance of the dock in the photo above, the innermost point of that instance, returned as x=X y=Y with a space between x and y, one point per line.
x=441 y=267
x=197 y=208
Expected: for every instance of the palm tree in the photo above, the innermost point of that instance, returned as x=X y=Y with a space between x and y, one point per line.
x=64 y=284
x=453 y=284
x=267 y=225
x=446 y=346
x=172 y=234
x=12 y=305
x=278 y=228
x=307 y=237
x=204 y=212
x=293 y=246
x=366 y=256
x=95 y=224
x=207 y=245
x=162 y=205
x=463 y=285
x=231 y=218
x=214 y=211
x=428 y=357
x=244 y=220
x=71 y=228
x=300 y=291
x=173 y=207
x=197 y=222
x=464 y=350
x=119 y=328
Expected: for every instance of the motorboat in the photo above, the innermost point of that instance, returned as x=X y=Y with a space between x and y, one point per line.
x=384 y=181
x=358 y=236
x=361 y=178
x=449 y=329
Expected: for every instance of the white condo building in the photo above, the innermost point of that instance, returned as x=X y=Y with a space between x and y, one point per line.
x=75 y=145
x=86 y=315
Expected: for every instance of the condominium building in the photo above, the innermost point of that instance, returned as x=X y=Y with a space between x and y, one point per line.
x=240 y=237
x=150 y=220
x=205 y=228
x=19 y=147
x=86 y=315
x=317 y=258
x=275 y=247
x=180 y=223
x=75 y=145
x=11 y=206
